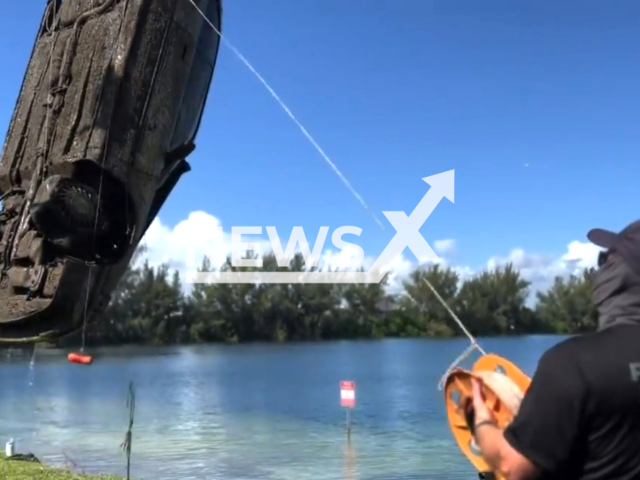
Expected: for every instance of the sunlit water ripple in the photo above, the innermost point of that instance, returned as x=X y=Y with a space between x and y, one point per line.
x=247 y=412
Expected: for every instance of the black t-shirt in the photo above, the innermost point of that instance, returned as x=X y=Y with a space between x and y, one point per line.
x=580 y=418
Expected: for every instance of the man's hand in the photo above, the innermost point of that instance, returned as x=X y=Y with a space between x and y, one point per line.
x=482 y=412
x=496 y=451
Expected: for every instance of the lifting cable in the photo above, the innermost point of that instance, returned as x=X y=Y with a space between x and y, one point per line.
x=289 y=113
x=474 y=344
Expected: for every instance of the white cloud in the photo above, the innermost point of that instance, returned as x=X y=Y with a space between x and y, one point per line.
x=445 y=247
x=171 y=246
x=540 y=270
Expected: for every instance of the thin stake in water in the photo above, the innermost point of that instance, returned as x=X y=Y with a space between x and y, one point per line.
x=128 y=438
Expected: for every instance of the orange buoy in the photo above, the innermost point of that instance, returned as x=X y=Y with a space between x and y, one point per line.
x=504 y=385
x=80 y=358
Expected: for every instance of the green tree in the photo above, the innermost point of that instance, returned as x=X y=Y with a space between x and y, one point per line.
x=149 y=306
x=420 y=309
x=567 y=307
x=494 y=302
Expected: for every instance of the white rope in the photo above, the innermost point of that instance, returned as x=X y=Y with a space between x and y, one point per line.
x=453 y=315
x=289 y=113
x=474 y=344
x=504 y=387
x=455 y=364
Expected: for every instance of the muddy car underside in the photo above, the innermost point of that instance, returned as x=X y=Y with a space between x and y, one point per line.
x=106 y=116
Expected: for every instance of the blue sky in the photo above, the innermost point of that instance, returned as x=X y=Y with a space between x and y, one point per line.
x=534 y=104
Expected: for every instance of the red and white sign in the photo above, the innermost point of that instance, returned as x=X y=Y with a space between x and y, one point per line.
x=348 y=394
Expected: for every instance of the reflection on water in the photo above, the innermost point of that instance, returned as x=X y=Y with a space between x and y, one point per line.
x=350 y=460
x=246 y=412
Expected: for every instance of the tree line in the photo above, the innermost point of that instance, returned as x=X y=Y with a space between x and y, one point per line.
x=149 y=306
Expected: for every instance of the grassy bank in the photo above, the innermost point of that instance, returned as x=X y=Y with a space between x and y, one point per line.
x=17 y=470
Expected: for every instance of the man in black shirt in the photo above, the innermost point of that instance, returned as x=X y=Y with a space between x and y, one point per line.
x=580 y=418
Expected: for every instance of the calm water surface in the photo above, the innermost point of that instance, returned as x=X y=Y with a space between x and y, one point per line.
x=247 y=412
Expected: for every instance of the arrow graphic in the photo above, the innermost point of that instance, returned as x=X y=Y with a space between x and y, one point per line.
x=408 y=228
x=407 y=235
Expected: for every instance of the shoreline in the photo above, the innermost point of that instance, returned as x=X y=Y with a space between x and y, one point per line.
x=26 y=470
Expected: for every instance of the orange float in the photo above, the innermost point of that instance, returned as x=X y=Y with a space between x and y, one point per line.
x=80 y=358
x=504 y=385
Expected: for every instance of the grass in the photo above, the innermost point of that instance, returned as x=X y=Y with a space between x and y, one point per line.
x=19 y=470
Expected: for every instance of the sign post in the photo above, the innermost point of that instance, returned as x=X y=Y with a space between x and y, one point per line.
x=348 y=400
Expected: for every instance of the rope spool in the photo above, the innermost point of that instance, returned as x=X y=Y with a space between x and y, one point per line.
x=504 y=386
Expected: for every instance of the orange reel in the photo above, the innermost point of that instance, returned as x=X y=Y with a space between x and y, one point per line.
x=502 y=396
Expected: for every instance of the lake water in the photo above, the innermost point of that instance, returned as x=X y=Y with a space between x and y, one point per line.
x=248 y=411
